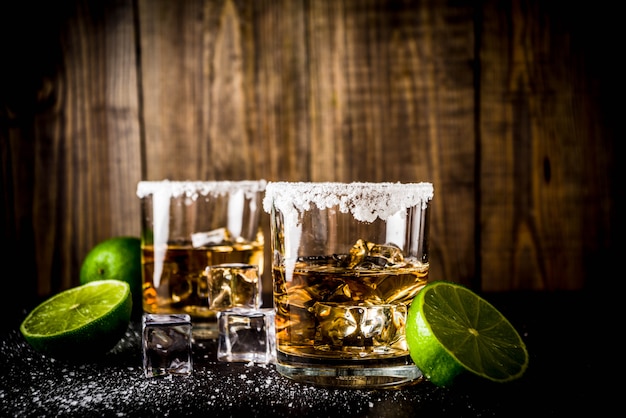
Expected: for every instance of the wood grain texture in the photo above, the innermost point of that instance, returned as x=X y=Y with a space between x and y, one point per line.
x=505 y=106
x=81 y=170
x=319 y=91
x=543 y=185
x=96 y=137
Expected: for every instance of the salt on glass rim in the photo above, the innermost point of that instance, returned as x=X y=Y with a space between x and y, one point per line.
x=193 y=189
x=365 y=201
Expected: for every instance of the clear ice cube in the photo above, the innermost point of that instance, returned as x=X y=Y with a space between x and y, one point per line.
x=360 y=328
x=233 y=286
x=247 y=335
x=386 y=255
x=369 y=255
x=166 y=344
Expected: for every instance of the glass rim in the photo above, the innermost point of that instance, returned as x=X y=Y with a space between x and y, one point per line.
x=365 y=200
x=177 y=188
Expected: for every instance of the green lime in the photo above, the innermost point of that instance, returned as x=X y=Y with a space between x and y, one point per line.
x=80 y=322
x=451 y=329
x=117 y=258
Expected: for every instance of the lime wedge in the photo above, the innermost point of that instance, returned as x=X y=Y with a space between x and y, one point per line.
x=80 y=322
x=451 y=329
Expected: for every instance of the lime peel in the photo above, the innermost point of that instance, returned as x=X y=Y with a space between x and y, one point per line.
x=117 y=258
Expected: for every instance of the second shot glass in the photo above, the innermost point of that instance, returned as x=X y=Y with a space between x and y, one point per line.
x=187 y=226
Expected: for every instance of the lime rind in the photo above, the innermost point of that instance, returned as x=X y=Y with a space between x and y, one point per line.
x=435 y=362
x=117 y=258
x=470 y=333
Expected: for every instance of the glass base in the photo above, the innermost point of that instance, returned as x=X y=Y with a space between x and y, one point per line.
x=357 y=377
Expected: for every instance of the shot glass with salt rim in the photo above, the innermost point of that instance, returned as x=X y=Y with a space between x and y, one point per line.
x=360 y=251
x=188 y=225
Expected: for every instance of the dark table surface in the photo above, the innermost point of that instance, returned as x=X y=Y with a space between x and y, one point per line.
x=559 y=380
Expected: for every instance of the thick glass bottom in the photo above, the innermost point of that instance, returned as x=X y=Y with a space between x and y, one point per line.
x=370 y=375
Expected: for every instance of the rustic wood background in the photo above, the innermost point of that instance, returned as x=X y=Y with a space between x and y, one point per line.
x=507 y=107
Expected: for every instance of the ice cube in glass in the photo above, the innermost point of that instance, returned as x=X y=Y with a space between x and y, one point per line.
x=246 y=335
x=361 y=328
x=233 y=285
x=166 y=344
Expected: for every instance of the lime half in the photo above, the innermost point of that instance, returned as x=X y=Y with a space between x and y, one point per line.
x=80 y=322
x=451 y=329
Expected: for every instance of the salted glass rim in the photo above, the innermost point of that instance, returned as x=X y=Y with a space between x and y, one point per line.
x=366 y=201
x=177 y=188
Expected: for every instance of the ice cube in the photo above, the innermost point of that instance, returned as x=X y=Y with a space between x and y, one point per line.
x=233 y=285
x=360 y=328
x=353 y=290
x=358 y=252
x=247 y=335
x=386 y=255
x=166 y=344
x=369 y=255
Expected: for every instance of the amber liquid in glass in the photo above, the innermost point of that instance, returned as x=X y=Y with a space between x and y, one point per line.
x=182 y=285
x=328 y=310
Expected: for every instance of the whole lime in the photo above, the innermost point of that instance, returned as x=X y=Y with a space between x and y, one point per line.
x=117 y=258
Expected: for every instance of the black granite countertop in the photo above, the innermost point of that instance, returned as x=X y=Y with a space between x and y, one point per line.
x=556 y=383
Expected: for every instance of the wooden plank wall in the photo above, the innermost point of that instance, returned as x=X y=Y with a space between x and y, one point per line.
x=503 y=105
